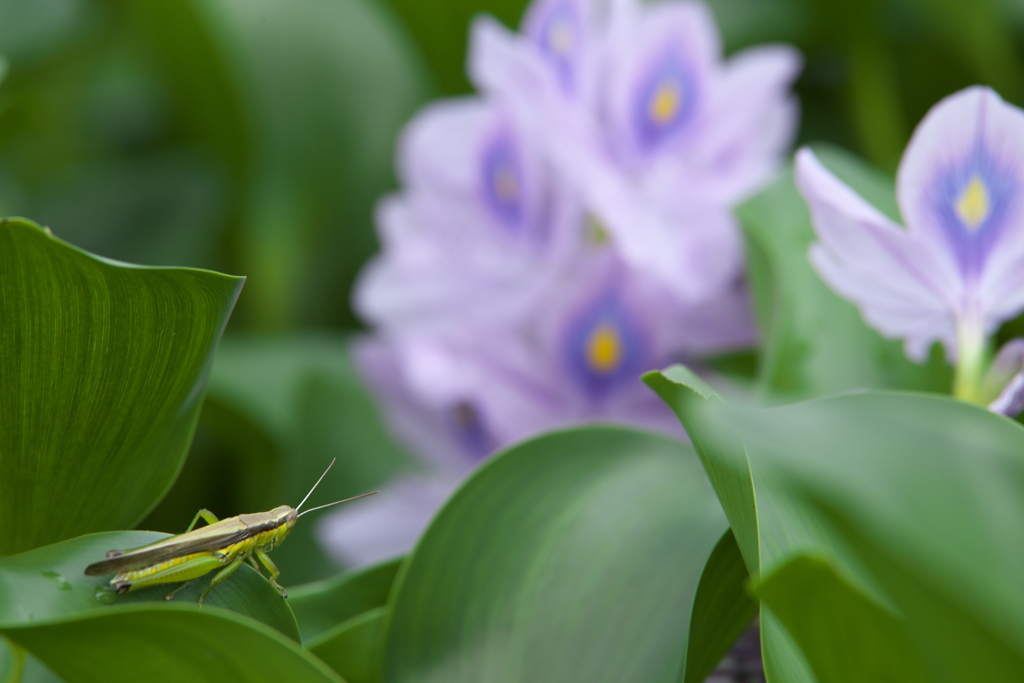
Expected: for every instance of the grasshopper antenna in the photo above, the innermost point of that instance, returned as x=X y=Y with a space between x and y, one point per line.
x=316 y=484
x=339 y=502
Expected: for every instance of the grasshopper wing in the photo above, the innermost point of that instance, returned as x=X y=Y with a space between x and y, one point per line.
x=212 y=537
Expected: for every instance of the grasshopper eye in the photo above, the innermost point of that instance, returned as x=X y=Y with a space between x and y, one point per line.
x=114 y=553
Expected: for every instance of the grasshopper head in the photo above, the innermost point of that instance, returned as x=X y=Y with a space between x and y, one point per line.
x=286 y=516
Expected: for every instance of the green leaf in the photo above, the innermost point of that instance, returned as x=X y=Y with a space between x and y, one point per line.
x=722 y=608
x=169 y=642
x=815 y=342
x=908 y=500
x=49 y=583
x=577 y=556
x=354 y=648
x=926 y=498
x=12 y=662
x=104 y=366
x=754 y=525
x=846 y=636
x=325 y=604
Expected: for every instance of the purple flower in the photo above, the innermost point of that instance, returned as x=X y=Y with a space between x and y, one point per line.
x=957 y=271
x=559 y=236
x=456 y=398
x=642 y=116
x=478 y=229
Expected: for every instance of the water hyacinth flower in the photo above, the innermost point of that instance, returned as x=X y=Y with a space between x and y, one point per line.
x=558 y=236
x=957 y=271
x=458 y=398
x=479 y=228
x=638 y=110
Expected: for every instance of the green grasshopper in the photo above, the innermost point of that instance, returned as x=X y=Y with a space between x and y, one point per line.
x=222 y=544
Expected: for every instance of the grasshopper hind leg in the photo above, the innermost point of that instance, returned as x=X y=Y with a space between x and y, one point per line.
x=220 y=576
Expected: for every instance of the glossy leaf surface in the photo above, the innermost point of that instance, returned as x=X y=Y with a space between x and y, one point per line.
x=354 y=648
x=167 y=643
x=577 y=556
x=49 y=583
x=901 y=506
x=325 y=604
x=104 y=367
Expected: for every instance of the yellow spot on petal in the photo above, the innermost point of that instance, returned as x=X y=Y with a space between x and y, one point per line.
x=666 y=102
x=604 y=349
x=973 y=205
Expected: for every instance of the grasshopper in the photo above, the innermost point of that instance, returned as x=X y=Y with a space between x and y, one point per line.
x=222 y=544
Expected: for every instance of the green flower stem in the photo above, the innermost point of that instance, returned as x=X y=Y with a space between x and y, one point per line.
x=970 y=365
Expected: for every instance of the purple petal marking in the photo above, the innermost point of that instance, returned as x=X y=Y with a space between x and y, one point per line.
x=502 y=180
x=971 y=201
x=557 y=30
x=665 y=99
x=467 y=425
x=604 y=347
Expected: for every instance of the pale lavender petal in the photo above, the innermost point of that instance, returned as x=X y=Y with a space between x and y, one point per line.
x=495 y=370
x=660 y=62
x=695 y=252
x=751 y=125
x=469 y=151
x=386 y=525
x=445 y=265
x=1006 y=376
x=420 y=279
x=510 y=68
x=715 y=326
x=1010 y=401
x=560 y=30
x=960 y=184
x=450 y=435
x=896 y=284
x=440 y=146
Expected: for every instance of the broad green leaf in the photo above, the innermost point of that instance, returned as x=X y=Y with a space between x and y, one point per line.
x=815 y=342
x=909 y=498
x=722 y=608
x=847 y=637
x=442 y=31
x=104 y=366
x=577 y=556
x=927 y=498
x=169 y=643
x=325 y=604
x=49 y=583
x=354 y=648
x=12 y=662
x=279 y=409
x=753 y=524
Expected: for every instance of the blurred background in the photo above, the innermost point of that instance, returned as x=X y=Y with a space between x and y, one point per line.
x=254 y=137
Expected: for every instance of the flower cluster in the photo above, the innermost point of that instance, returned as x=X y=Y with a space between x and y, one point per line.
x=557 y=235
x=957 y=271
